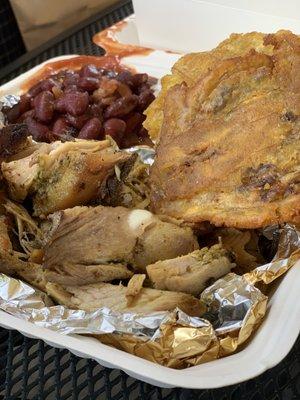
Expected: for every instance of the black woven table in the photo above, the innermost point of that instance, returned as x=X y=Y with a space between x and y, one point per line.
x=32 y=370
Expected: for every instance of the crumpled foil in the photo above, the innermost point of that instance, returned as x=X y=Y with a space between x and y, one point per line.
x=146 y=153
x=9 y=101
x=234 y=309
x=288 y=252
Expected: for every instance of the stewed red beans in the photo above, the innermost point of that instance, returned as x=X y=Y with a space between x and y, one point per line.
x=88 y=104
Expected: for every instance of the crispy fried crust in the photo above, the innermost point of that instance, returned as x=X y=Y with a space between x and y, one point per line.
x=230 y=145
x=194 y=66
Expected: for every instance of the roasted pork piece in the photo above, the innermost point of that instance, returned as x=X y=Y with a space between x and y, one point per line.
x=5 y=242
x=192 y=272
x=229 y=146
x=93 y=244
x=61 y=175
x=243 y=245
x=13 y=138
x=11 y=262
x=131 y=189
x=135 y=285
x=30 y=236
x=94 y=296
x=20 y=172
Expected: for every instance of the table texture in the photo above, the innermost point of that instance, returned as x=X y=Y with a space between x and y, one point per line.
x=32 y=370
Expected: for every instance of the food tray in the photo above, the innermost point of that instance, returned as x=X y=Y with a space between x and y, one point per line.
x=269 y=346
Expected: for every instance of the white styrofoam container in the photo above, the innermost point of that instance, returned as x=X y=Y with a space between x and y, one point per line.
x=196 y=25
x=268 y=347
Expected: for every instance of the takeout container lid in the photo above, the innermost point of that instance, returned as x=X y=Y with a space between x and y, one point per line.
x=195 y=25
x=280 y=328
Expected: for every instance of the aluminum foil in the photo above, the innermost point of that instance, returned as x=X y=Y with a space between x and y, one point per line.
x=9 y=100
x=22 y=300
x=234 y=309
x=146 y=153
x=288 y=252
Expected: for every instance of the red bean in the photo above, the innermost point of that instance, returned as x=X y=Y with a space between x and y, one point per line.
x=145 y=99
x=139 y=79
x=77 y=122
x=133 y=80
x=45 y=84
x=71 y=78
x=121 y=106
x=71 y=89
x=35 y=90
x=24 y=103
x=125 y=77
x=44 y=106
x=134 y=123
x=38 y=131
x=74 y=103
x=68 y=104
x=129 y=141
x=115 y=128
x=144 y=137
x=49 y=83
x=12 y=113
x=88 y=83
x=90 y=70
x=30 y=113
x=142 y=88
x=60 y=126
x=91 y=130
x=96 y=110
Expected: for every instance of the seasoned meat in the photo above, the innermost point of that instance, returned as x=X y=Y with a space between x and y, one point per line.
x=92 y=244
x=131 y=190
x=191 y=273
x=229 y=148
x=12 y=264
x=5 y=242
x=61 y=175
x=161 y=241
x=236 y=241
x=30 y=236
x=134 y=287
x=31 y=272
x=73 y=174
x=21 y=172
x=94 y=296
x=13 y=138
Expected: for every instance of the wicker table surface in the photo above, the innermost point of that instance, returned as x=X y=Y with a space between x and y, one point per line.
x=32 y=370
